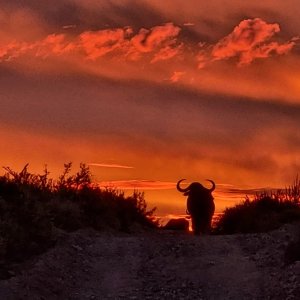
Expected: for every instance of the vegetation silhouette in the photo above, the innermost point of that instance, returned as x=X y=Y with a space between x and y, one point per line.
x=33 y=207
x=267 y=211
x=200 y=205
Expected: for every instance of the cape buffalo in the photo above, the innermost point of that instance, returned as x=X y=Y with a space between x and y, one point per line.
x=200 y=205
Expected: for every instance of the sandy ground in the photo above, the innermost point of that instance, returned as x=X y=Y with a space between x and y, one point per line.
x=163 y=265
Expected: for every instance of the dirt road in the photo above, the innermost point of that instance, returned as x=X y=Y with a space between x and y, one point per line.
x=164 y=265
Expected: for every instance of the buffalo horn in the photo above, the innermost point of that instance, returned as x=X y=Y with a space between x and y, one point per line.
x=181 y=189
x=213 y=185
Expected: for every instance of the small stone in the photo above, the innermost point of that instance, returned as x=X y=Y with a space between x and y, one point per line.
x=11 y=273
x=77 y=247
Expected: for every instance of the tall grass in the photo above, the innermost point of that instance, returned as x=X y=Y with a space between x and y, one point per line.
x=267 y=211
x=33 y=207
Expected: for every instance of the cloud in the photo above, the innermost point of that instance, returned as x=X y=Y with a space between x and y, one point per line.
x=147 y=40
x=159 y=40
x=248 y=34
x=162 y=38
x=155 y=54
x=15 y=49
x=19 y=23
x=240 y=192
x=250 y=40
x=203 y=57
x=105 y=165
x=166 y=53
x=176 y=76
x=138 y=184
x=53 y=44
x=265 y=51
x=70 y=26
x=188 y=24
x=99 y=43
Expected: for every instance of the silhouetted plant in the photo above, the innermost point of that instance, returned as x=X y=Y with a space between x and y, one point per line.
x=33 y=205
x=267 y=211
x=68 y=182
x=25 y=228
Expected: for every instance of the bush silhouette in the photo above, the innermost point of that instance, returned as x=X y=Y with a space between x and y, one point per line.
x=34 y=206
x=267 y=211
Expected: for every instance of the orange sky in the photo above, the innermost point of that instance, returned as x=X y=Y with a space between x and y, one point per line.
x=149 y=92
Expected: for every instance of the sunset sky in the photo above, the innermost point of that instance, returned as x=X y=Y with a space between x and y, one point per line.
x=148 y=92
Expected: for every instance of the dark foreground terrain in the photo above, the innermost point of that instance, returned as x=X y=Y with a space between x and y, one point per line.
x=163 y=265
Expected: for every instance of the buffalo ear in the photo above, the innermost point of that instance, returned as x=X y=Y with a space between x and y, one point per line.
x=186 y=193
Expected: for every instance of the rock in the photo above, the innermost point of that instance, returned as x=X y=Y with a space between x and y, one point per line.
x=78 y=248
x=177 y=224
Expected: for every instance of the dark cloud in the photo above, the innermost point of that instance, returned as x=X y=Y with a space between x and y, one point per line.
x=99 y=15
x=216 y=16
x=135 y=13
x=78 y=104
x=54 y=16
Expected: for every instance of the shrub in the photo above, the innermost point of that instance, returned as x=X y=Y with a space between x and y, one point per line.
x=25 y=229
x=267 y=211
x=33 y=205
x=64 y=214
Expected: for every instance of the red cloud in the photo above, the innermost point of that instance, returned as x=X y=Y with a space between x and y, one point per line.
x=176 y=76
x=14 y=50
x=99 y=43
x=149 y=40
x=53 y=44
x=250 y=40
x=138 y=184
x=166 y=53
x=106 y=165
x=265 y=51
x=159 y=41
x=8 y=50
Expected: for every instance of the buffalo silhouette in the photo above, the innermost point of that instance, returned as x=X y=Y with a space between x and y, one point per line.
x=200 y=205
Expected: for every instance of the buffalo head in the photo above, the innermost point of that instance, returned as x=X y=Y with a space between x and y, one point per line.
x=195 y=187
